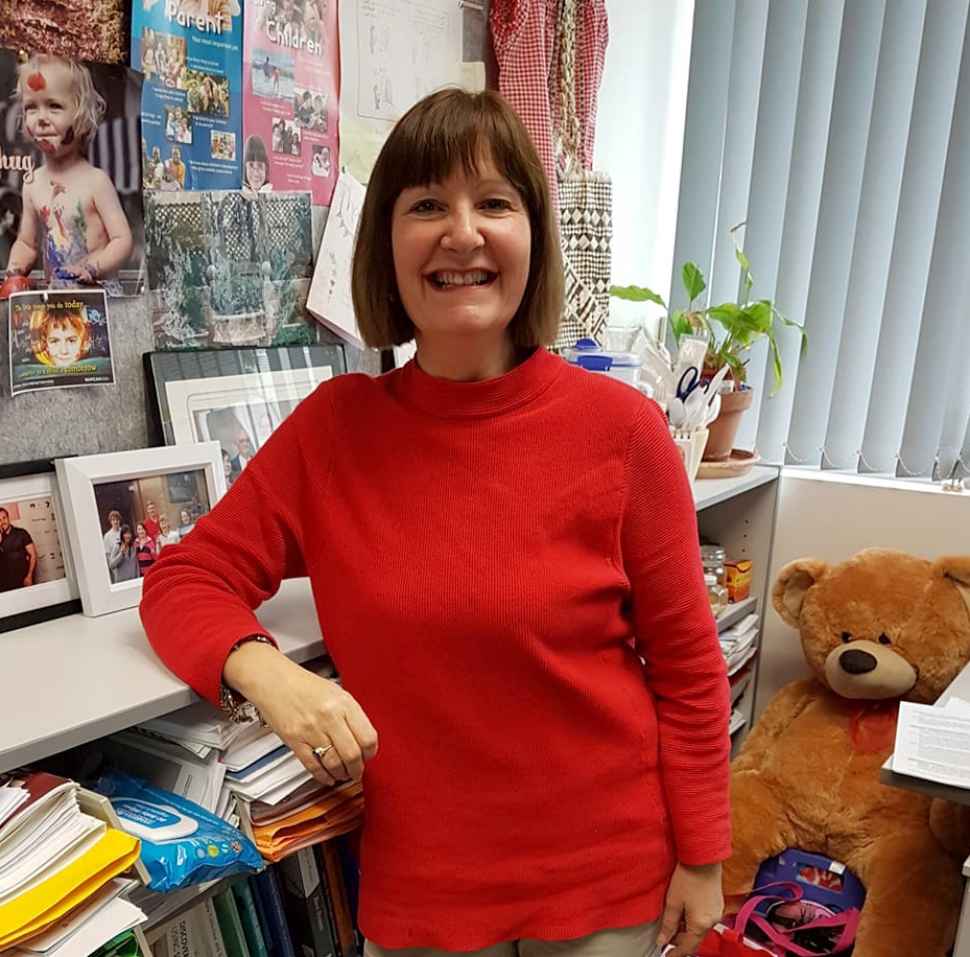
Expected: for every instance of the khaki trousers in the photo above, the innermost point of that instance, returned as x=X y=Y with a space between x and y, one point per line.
x=637 y=941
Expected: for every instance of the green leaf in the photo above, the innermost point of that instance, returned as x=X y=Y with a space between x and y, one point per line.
x=693 y=280
x=761 y=314
x=742 y=259
x=680 y=324
x=775 y=365
x=637 y=294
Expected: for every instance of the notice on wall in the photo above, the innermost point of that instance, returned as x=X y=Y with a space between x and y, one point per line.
x=59 y=339
x=933 y=743
x=395 y=53
x=289 y=80
x=190 y=52
x=330 y=297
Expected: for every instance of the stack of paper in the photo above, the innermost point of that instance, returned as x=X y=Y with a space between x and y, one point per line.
x=740 y=642
x=10 y=799
x=320 y=815
x=54 y=862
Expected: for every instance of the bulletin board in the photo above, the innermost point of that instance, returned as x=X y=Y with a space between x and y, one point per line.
x=112 y=418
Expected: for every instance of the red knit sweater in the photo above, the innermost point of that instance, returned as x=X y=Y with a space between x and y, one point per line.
x=481 y=556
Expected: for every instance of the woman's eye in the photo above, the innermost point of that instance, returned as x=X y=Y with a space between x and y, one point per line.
x=497 y=203
x=424 y=206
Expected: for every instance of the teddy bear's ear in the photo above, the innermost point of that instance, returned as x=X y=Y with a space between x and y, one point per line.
x=793 y=581
x=956 y=568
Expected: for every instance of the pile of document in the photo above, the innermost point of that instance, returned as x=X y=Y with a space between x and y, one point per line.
x=60 y=890
x=243 y=773
x=739 y=643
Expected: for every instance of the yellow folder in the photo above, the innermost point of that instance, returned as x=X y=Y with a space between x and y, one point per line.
x=30 y=912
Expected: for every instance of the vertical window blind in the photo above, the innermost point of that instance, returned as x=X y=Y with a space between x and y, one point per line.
x=838 y=131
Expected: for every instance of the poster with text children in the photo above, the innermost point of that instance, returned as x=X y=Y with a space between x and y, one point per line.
x=58 y=339
x=290 y=82
x=190 y=52
x=70 y=175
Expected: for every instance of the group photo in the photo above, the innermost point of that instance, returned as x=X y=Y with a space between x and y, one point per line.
x=142 y=516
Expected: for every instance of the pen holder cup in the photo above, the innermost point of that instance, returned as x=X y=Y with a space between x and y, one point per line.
x=691 y=446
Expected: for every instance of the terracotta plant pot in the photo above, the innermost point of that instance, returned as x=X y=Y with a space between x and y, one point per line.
x=720 y=441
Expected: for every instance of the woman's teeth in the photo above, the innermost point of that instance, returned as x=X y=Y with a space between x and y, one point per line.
x=474 y=277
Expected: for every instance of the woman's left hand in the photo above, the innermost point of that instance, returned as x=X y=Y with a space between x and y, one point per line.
x=694 y=905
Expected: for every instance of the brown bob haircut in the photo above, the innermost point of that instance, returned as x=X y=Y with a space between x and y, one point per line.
x=444 y=131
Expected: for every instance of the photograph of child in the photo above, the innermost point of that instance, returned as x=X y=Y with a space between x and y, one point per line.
x=206 y=93
x=272 y=74
x=178 y=125
x=222 y=145
x=163 y=58
x=72 y=221
x=287 y=137
x=140 y=517
x=310 y=109
x=256 y=166
x=322 y=164
x=58 y=339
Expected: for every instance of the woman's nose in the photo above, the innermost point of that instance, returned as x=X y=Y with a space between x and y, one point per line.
x=462 y=234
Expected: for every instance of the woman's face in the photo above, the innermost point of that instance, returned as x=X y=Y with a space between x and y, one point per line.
x=126 y=537
x=185 y=518
x=63 y=344
x=140 y=530
x=461 y=252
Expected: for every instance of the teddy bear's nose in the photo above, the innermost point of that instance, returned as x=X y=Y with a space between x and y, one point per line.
x=857 y=662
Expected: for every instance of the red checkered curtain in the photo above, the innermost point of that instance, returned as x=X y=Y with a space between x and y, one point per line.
x=524 y=38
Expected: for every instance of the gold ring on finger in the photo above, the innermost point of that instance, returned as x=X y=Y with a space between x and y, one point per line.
x=320 y=752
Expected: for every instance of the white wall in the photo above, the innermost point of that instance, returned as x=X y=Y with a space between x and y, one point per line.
x=827 y=516
x=640 y=133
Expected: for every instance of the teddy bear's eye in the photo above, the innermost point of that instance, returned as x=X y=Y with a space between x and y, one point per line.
x=846 y=636
x=884 y=639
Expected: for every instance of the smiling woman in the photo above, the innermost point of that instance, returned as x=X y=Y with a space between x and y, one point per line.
x=496 y=542
x=458 y=205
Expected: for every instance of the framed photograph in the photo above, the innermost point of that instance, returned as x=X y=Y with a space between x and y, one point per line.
x=236 y=397
x=37 y=581
x=122 y=508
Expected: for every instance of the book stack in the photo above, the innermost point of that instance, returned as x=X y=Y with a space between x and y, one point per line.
x=740 y=643
x=302 y=906
x=60 y=891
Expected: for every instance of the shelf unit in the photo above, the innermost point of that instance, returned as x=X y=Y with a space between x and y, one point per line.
x=110 y=654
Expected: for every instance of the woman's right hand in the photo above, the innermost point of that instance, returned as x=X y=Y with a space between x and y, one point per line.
x=305 y=710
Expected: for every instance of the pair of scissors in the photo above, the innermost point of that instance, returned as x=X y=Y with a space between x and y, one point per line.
x=690 y=379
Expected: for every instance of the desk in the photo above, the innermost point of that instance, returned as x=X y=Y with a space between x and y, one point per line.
x=959 y=688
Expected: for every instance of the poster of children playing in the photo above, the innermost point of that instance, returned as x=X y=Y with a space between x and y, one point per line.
x=190 y=52
x=58 y=339
x=70 y=176
x=290 y=86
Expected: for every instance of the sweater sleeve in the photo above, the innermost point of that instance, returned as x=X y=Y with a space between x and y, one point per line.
x=199 y=598
x=677 y=637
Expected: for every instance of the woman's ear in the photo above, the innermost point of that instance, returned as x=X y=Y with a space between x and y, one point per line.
x=793 y=581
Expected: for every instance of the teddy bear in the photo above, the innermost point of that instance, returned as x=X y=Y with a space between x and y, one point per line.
x=877 y=629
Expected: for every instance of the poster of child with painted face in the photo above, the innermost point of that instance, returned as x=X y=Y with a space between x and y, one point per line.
x=70 y=187
x=58 y=339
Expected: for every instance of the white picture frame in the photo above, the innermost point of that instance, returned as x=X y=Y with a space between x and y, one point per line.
x=50 y=598
x=79 y=477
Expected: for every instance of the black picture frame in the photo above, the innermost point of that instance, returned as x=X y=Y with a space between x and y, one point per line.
x=183 y=365
x=57 y=609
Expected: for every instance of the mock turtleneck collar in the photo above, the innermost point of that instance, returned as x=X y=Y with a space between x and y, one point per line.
x=447 y=398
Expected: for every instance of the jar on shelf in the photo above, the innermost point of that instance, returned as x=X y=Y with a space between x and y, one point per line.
x=713 y=558
x=716 y=593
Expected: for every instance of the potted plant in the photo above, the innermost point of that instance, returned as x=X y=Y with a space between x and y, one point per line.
x=731 y=329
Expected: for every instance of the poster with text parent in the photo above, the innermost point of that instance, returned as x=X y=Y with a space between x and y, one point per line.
x=70 y=175
x=190 y=52
x=290 y=79
x=77 y=29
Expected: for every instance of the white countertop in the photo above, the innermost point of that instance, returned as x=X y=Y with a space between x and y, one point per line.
x=75 y=679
